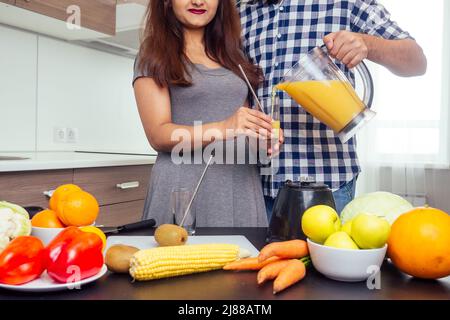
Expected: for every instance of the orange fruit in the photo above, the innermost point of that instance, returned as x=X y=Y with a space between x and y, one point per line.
x=97 y=231
x=419 y=243
x=46 y=219
x=78 y=208
x=59 y=193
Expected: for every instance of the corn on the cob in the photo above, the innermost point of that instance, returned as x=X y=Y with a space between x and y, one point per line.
x=163 y=262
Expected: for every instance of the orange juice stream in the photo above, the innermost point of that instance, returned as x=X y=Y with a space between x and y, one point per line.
x=333 y=102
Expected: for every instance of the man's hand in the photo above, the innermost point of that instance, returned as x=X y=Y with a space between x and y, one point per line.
x=403 y=57
x=347 y=47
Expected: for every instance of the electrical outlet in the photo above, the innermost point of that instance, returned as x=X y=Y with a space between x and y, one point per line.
x=72 y=135
x=59 y=135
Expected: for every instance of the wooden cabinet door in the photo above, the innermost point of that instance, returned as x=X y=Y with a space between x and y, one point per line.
x=120 y=214
x=111 y=185
x=98 y=15
x=27 y=188
x=9 y=1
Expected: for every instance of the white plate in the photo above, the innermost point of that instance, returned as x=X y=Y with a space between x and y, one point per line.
x=46 y=284
x=147 y=242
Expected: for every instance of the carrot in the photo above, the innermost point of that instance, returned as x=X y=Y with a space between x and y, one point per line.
x=293 y=249
x=292 y=273
x=271 y=271
x=248 y=264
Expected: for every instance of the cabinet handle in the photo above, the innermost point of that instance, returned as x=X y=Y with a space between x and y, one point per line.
x=48 y=193
x=128 y=185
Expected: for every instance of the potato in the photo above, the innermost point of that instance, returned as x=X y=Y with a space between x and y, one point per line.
x=118 y=257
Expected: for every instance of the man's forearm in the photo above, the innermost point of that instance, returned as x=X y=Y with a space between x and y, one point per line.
x=402 y=57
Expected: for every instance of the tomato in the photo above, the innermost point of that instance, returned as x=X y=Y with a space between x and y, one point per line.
x=22 y=261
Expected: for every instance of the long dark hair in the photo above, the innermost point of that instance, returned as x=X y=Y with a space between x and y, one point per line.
x=162 y=53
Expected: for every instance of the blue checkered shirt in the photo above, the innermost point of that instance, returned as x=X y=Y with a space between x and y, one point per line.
x=275 y=37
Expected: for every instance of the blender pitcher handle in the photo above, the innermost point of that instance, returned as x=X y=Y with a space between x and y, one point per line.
x=366 y=77
x=367 y=82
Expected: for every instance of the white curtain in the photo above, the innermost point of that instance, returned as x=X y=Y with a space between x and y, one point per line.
x=409 y=137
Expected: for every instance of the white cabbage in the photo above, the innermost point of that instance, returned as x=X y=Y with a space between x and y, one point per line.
x=382 y=204
x=15 y=208
x=14 y=221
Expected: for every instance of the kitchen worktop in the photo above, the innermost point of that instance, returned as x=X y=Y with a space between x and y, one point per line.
x=222 y=285
x=69 y=160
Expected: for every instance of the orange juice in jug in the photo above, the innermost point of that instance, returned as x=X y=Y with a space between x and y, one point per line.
x=332 y=102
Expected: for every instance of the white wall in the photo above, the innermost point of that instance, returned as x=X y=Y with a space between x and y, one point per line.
x=76 y=87
x=18 y=56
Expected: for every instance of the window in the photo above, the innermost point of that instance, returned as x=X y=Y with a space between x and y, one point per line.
x=411 y=125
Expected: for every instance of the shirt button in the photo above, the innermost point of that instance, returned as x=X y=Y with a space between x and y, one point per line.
x=281 y=8
x=279 y=36
x=276 y=64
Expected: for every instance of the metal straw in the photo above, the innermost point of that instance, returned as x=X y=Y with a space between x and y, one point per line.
x=251 y=89
x=196 y=190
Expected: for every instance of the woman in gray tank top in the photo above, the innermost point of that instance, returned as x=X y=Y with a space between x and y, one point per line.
x=187 y=81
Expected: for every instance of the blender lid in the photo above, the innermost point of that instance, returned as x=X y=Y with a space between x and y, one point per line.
x=306 y=183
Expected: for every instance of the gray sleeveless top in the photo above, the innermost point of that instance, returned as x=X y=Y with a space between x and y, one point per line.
x=231 y=194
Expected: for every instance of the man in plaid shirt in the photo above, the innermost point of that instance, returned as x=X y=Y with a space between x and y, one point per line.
x=277 y=33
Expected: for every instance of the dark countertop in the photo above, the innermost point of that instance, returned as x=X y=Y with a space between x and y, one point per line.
x=222 y=285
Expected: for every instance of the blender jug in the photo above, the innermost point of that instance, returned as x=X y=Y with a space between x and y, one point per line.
x=322 y=89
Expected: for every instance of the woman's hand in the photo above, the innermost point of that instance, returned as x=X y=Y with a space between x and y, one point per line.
x=249 y=122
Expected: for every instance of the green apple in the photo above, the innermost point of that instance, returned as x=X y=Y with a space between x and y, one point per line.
x=347 y=227
x=319 y=222
x=341 y=240
x=370 y=231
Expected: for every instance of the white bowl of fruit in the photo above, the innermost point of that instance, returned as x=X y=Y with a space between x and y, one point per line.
x=351 y=252
x=346 y=264
x=69 y=205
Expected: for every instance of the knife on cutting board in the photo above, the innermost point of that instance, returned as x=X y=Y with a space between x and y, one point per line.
x=145 y=224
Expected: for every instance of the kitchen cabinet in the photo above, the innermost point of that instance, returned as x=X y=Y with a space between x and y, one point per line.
x=120 y=191
x=114 y=184
x=98 y=15
x=27 y=188
x=8 y=1
x=121 y=213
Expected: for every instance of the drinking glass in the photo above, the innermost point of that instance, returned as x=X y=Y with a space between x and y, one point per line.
x=275 y=114
x=179 y=199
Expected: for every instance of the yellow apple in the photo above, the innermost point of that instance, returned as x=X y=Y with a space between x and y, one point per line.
x=341 y=240
x=347 y=227
x=319 y=222
x=370 y=231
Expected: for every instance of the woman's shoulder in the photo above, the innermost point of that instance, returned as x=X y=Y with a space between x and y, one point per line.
x=139 y=70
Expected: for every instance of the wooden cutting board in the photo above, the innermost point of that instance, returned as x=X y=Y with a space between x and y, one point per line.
x=147 y=242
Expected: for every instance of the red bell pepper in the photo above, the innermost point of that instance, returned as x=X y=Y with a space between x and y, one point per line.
x=22 y=261
x=74 y=255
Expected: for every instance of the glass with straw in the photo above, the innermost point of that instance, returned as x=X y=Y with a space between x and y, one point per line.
x=275 y=114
